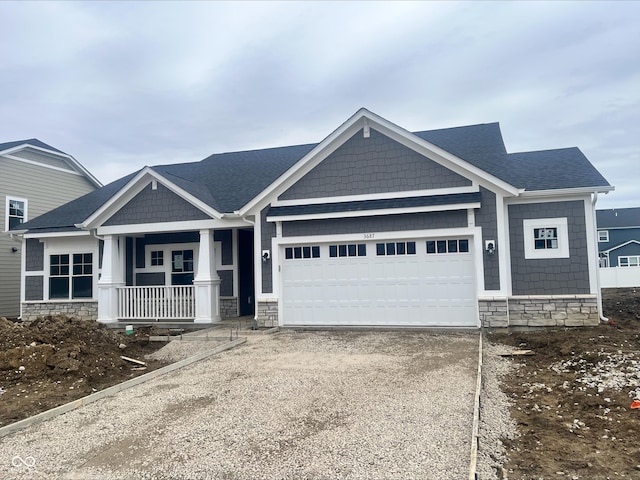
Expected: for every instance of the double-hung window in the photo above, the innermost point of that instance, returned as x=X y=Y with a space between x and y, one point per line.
x=182 y=267
x=71 y=280
x=16 y=209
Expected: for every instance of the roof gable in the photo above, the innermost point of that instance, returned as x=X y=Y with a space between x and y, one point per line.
x=26 y=149
x=364 y=120
x=31 y=141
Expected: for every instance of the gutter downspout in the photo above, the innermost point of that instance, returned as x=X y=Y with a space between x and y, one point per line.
x=604 y=319
x=254 y=326
x=23 y=260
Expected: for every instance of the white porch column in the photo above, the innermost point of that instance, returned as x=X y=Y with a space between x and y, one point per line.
x=111 y=278
x=207 y=281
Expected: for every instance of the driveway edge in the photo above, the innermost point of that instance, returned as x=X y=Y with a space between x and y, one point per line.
x=476 y=415
x=107 y=392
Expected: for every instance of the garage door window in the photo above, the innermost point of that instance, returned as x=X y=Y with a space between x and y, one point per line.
x=302 y=252
x=348 y=250
x=448 y=246
x=396 y=248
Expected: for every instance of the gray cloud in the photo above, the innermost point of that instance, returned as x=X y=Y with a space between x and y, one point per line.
x=120 y=85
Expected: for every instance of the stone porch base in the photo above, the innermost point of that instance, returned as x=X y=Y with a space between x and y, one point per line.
x=228 y=307
x=539 y=311
x=82 y=310
x=268 y=312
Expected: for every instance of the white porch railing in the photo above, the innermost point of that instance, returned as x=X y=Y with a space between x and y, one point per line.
x=156 y=303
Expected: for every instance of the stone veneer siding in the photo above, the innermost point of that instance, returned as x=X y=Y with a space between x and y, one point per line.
x=268 y=313
x=228 y=307
x=82 y=310
x=540 y=311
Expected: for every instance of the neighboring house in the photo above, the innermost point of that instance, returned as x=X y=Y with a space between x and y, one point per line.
x=35 y=179
x=373 y=226
x=619 y=247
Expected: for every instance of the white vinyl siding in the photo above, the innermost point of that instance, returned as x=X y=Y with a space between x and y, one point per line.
x=44 y=188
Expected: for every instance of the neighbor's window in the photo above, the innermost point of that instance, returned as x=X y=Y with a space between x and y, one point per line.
x=545 y=238
x=78 y=276
x=629 y=261
x=182 y=267
x=16 y=212
x=603 y=235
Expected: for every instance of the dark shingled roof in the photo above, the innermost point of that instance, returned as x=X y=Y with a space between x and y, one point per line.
x=76 y=211
x=228 y=181
x=32 y=141
x=618 y=217
x=379 y=204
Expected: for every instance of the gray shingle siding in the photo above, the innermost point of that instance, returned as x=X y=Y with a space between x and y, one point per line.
x=386 y=223
x=34 y=255
x=226 y=237
x=555 y=276
x=226 y=284
x=267 y=232
x=372 y=165
x=150 y=279
x=154 y=206
x=486 y=218
x=33 y=288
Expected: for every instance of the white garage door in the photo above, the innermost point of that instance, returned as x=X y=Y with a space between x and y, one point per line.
x=422 y=282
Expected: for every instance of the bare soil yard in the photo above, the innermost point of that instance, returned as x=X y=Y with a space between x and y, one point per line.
x=571 y=400
x=56 y=360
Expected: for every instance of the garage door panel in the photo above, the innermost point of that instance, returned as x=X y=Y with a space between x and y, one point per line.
x=412 y=290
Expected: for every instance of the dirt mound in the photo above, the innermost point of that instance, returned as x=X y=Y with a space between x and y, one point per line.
x=56 y=359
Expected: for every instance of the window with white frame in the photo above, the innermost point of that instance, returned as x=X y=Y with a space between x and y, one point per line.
x=157 y=258
x=71 y=280
x=16 y=212
x=182 y=267
x=629 y=261
x=603 y=235
x=546 y=238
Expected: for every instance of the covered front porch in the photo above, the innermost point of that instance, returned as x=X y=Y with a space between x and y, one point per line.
x=181 y=277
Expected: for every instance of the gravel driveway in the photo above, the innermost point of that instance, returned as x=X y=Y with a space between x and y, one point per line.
x=311 y=405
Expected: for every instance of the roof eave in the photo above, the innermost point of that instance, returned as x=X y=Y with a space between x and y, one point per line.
x=121 y=195
x=557 y=192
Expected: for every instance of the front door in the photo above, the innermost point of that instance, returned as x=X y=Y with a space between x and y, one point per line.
x=246 y=290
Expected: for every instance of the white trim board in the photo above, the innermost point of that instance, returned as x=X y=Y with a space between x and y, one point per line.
x=371 y=213
x=376 y=196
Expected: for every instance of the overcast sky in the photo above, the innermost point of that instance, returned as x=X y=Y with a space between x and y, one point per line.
x=120 y=85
